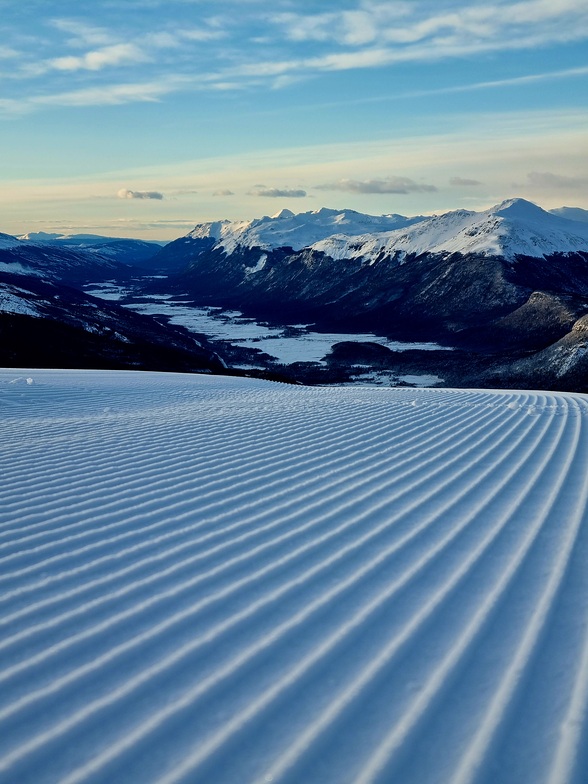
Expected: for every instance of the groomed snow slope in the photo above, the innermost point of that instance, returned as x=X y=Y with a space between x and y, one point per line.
x=223 y=580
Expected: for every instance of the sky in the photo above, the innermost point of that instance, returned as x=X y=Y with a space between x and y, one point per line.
x=142 y=118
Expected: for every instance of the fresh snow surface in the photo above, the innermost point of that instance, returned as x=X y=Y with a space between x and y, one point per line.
x=226 y=580
x=515 y=227
x=296 y=231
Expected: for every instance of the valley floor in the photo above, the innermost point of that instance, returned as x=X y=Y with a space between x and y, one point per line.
x=219 y=579
x=296 y=350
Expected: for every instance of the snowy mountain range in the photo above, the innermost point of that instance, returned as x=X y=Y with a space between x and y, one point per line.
x=514 y=227
x=285 y=229
x=426 y=276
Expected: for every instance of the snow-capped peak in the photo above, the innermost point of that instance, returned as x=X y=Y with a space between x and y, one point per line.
x=515 y=227
x=520 y=209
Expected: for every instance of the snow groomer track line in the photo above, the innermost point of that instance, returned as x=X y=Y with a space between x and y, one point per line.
x=208 y=579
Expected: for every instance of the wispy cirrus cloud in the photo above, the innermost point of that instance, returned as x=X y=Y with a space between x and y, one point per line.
x=515 y=81
x=202 y=34
x=83 y=34
x=403 y=23
x=367 y=34
x=108 y=49
x=106 y=95
x=376 y=34
x=399 y=185
x=8 y=53
x=353 y=27
x=109 y=93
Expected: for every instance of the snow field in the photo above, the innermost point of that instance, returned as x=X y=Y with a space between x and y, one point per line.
x=229 y=580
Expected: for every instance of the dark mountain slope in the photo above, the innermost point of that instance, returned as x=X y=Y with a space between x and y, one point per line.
x=46 y=324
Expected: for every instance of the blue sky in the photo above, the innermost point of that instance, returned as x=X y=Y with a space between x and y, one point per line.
x=144 y=117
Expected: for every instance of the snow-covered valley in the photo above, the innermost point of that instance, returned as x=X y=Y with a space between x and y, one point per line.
x=229 y=580
x=284 y=344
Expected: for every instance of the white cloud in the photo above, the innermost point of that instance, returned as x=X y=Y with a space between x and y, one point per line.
x=354 y=27
x=125 y=193
x=117 y=54
x=108 y=95
x=385 y=185
x=397 y=32
x=278 y=193
x=223 y=192
x=8 y=53
x=173 y=39
x=368 y=34
x=13 y=107
x=202 y=34
x=160 y=40
x=545 y=76
x=84 y=35
x=315 y=27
